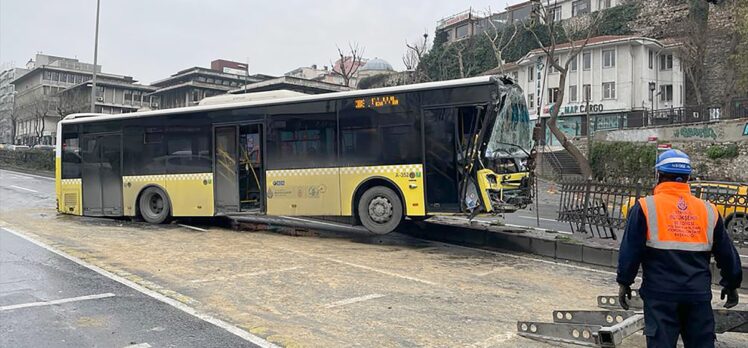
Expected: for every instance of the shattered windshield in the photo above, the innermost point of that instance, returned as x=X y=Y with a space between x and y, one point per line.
x=511 y=135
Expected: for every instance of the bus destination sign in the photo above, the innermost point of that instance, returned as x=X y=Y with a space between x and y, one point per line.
x=376 y=102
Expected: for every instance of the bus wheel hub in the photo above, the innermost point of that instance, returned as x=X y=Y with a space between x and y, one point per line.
x=380 y=209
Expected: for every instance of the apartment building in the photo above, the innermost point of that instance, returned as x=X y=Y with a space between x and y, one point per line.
x=37 y=94
x=7 y=103
x=615 y=79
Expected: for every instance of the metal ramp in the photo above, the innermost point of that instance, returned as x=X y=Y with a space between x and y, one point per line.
x=609 y=326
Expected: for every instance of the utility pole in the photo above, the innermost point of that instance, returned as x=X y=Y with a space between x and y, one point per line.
x=96 y=54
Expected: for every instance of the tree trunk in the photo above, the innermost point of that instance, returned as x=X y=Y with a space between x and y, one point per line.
x=694 y=84
x=460 y=63
x=573 y=150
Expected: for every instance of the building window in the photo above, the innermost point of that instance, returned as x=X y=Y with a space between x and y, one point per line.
x=530 y=73
x=651 y=59
x=47 y=76
x=609 y=90
x=573 y=93
x=55 y=76
x=603 y=4
x=580 y=7
x=586 y=60
x=128 y=97
x=666 y=93
x=462 y=31
x=609 y=58
x=666 y=62
x=552 y=95
x=196 y=95
x=555 y=13
x=531 y=101
x=136 y=97
x=515 y=75
x=573 y=64
x=587 y=90
x=100 y=92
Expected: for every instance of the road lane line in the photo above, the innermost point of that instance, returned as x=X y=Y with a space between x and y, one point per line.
x=354 y=300
x=392 y=274
x=56 y=302
x=170 y=301
x=252 y=274
x=28 y=175
x=139 y=345
x=193 y=228
x=25 y=189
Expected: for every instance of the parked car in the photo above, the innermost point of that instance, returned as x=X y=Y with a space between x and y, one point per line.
x=17 y=147
x=44 y=147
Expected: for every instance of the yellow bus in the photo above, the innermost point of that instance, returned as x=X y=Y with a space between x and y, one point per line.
x=376 y=156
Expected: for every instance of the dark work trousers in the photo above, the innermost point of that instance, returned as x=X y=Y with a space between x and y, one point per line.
x=665 y=320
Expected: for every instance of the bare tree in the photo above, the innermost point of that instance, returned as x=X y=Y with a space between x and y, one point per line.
x=559 y=31
x=72 y=101
x=413 y=55
x=460 y=49
x=497 y=36
x=350 y=62
x=12 y=115
x=39 y=109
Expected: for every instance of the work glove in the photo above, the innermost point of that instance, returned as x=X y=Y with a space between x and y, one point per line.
x=732 y=297
x=624 y=292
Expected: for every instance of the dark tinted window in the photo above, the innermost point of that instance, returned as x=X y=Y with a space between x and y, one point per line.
x=71 y=159
x=144 y=150
x=188 y=150
x=304 y=140
x=379 y=135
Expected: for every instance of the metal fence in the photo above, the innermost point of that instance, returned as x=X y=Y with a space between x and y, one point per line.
x=600 y=208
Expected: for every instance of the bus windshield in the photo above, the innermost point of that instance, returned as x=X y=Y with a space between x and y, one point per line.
x=511 y=134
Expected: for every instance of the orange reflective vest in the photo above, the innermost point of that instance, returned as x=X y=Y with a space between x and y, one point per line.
x=676 y=220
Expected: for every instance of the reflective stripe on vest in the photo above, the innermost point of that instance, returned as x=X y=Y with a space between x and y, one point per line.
x=654 y=239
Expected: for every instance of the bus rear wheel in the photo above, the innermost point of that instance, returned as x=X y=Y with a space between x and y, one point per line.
x=154 y=205
x=380 y=210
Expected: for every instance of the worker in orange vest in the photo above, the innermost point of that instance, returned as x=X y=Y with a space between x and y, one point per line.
x=673 y=236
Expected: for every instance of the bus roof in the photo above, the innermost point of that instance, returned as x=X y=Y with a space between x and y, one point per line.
x=93 y=117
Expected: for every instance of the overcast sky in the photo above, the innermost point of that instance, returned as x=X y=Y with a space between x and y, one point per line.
x=152 y=39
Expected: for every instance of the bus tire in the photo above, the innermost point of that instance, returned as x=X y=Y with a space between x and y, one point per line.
x=154 y=205
x=380 y=210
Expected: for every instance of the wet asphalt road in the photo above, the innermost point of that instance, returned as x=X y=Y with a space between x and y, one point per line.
x=87 y=309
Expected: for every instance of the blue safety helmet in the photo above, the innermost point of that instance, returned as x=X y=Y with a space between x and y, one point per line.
x=673 y=162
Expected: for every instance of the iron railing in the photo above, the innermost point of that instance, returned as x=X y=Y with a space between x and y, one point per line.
x=600 y=208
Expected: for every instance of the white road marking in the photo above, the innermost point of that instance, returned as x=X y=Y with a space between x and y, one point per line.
x=28 y=175
x=25 y=189
x=359 y=266
x=252 y=274
x=170 y=301
x=139 y=345
x=193 y=228
x=56 y=302
x=533 y=218
x=354 y=300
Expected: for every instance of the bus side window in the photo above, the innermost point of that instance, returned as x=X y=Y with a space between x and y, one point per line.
x=71 y=160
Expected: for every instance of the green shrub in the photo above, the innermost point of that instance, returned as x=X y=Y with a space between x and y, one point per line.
x=722 y=151
x=29 y=159
x=622 y=160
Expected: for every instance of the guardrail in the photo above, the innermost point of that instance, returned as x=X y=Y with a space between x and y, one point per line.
x=600 y=208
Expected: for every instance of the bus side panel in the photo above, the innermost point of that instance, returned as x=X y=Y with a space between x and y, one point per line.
x=309 y=192
x=133 y=185
x=70 y=197
x=408 y=178
x=190 y=194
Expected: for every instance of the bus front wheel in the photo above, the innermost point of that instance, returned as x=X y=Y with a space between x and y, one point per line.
x=380 y=210
x=154 y=205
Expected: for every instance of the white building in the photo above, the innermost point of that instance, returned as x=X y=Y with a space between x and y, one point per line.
x=613 y=73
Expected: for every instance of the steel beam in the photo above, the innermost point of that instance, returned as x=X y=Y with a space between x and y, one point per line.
x=612 y=336
x=611 y=302
x=593 y=317
x=583 y=335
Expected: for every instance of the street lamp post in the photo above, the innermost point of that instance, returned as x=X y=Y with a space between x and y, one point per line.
x=96 y=54
x=652 y=87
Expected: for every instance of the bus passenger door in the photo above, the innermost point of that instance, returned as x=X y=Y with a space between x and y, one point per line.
x=441 y=161
x=226 y=178
x=101 y=174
